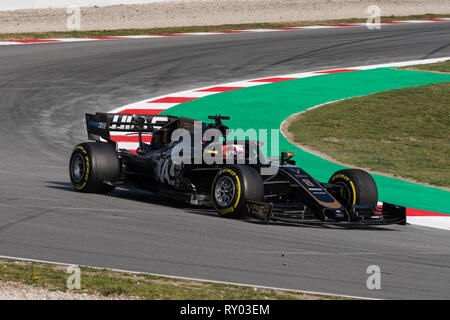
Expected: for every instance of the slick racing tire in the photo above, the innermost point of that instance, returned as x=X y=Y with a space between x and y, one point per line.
x=232 y=187
x=91 y=164
x=358 y=188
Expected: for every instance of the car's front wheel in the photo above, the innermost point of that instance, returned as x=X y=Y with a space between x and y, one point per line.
x=232 y=187
x=356 y=187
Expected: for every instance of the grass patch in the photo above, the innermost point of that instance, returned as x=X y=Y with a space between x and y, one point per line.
x=439 y=67
x=138 y=286
x=225 y=27
x=403 y=132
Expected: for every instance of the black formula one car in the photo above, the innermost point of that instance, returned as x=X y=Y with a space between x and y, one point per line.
x=242 y=188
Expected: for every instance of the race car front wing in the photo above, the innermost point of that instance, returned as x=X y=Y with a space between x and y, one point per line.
x=300 y=214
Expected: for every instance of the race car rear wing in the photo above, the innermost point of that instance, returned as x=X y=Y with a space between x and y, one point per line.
x=100 y=125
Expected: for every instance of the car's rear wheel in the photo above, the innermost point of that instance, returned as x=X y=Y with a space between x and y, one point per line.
x=232 y=187
x=91 y=164
x=357 y=187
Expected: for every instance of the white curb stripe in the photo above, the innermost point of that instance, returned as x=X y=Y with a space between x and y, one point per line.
x=203 y=33
x=432 y=222
x=319 y=27
x=72 y=40
x=262 y=30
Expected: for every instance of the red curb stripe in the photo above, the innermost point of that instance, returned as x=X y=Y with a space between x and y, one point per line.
x=219 y=89
x=142 y=111
x=173 y=100
x=34 y=41
x=145 y=138
x=336 y=71
x=422 y=213
x=273 y=79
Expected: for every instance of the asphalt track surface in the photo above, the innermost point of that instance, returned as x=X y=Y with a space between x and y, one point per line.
x=44 y=92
